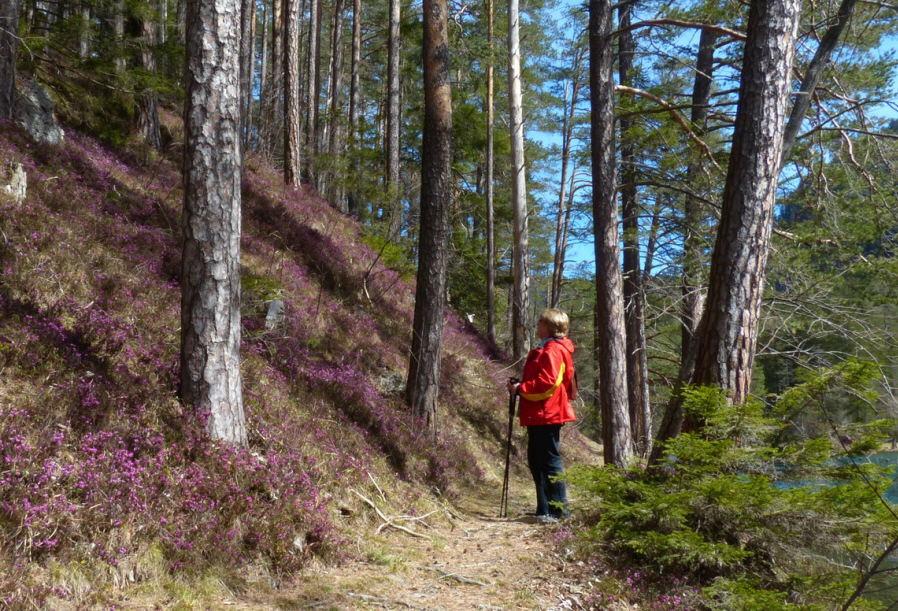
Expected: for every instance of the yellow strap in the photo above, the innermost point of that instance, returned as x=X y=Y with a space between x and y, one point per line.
x=548 y=393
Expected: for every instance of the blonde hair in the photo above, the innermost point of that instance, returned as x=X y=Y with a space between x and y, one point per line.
x=556 y=321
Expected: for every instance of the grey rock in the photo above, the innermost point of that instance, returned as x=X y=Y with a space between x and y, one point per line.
x=275 y=315
x=390 y=383
x=34 y=112
x=18 y=182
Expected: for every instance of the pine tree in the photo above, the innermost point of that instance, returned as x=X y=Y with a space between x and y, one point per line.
x=423 y=385
x=610 y=332
x=724 y=348
x=9 y=52
x=291 y=93
x=520 y=249
x=210 y=378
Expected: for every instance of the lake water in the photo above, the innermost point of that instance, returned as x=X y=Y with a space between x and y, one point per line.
x=885 y=588
x=884 y=459
x=887 y=459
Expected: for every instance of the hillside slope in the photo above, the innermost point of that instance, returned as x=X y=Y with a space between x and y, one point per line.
x=106 y=482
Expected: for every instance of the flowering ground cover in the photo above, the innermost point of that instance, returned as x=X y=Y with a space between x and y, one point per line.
x=107 y=482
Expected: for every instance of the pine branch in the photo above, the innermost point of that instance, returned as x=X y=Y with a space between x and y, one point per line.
x=676 y=117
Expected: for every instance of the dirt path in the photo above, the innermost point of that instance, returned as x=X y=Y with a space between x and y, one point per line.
x=481 y=563
x=470 y=560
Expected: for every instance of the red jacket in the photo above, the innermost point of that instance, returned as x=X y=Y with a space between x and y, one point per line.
x=547 y=384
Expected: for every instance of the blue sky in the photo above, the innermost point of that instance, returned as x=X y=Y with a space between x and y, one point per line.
x=583 y=252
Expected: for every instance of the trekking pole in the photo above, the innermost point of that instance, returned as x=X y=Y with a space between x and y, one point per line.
x=512 y=399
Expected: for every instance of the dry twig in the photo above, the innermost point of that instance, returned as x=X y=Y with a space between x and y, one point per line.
x=388 y=521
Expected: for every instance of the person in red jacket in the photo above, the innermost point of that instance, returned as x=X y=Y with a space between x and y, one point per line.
x=546 y=389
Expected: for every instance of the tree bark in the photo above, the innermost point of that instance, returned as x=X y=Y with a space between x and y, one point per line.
x=693 y=259
x=352 y=200
x=118 y=30
x=292 y=155
x=9 y=53
x=424 y=365
x=812 y=76
x=393 y=109
x=264 y=84
x=247 y=48
x=520 y=252
x=84 y=38
x=634 y=296
x=162 y=36
x=335 y=94
x=610 y=332
x=148 y=112
x=490 y=170
x=729 y=328
x=181 y=20
x=566 y=229
x=652 y=243
x=724 y=349
x=210 y=278
x=273 y=109
x=312 y=91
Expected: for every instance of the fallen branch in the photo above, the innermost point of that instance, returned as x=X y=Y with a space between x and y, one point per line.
x=382 y=601
x=371 y=477
x=388 y=521
x=455 y=576
x=410 y=519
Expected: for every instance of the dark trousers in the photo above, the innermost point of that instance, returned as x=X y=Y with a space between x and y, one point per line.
x=544 y=460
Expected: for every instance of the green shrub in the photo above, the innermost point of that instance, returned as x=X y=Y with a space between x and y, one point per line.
x=713 y=511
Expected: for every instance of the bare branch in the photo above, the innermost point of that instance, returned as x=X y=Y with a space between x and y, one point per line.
x=860 y=131
x=683 y=24
x=893 y=7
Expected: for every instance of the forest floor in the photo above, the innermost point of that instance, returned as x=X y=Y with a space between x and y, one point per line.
x=461 y=558
x=472 y=560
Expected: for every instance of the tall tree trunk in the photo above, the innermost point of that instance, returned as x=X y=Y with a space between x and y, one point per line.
x=566 y=142
x=312 y=91
x=430 y=292
x=118 y=30
x=335 y=94
x=610 y=331
x=162 y=35
x=270 y=105
x=210 y=277
x=264 y=84
x=84 y=37
x=728 y=333
x=393 y=185
x=317 y=82
x=181 y=19
x=148 y=113
x=9 y=53
x=275 y=109
x=520 y=253
x=812 y=75
x=693 y=240
x=634 y=297
x=291 y=93
x=555 y=289
x=725 y=342
x=652 y=243
x=353 y=202
x=490 y=170
x=247 y=47
x=566 y=230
